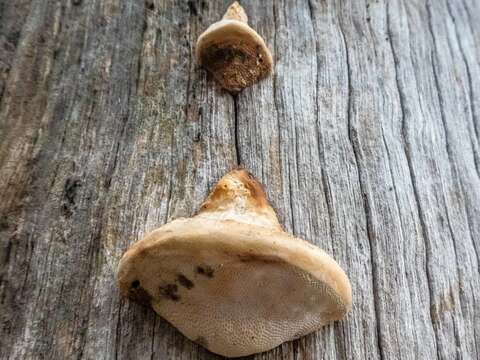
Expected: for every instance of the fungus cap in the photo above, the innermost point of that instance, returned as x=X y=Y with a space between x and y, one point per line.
x=233 y=52
x=231 y=279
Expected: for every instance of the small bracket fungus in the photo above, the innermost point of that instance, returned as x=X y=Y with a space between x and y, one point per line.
x=233 y=52
x=230 y=278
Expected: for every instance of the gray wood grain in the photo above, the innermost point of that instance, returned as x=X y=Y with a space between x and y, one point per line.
x=366 y=139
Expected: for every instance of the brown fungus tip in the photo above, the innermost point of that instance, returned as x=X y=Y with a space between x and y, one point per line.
x=230 y=278
x=234 y=53
x=236 y=12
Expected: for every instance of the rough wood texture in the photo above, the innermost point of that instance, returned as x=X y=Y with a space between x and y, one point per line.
x=366 y=138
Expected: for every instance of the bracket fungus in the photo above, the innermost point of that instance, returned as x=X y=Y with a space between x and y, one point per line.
x=230 y=278
x=233 y=52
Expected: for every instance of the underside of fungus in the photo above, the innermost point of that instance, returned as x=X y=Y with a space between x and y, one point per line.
x=233 y=52
x=230 y=278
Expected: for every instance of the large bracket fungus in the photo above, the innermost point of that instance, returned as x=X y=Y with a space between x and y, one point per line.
x=230 y=278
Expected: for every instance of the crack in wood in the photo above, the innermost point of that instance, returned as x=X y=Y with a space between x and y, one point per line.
x=407 y=152
x=236 y=130
x=352 y=136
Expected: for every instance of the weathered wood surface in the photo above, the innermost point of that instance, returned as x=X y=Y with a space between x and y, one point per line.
x=366 y=138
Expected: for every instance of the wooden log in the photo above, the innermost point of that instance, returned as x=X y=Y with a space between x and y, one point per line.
x=366 y=139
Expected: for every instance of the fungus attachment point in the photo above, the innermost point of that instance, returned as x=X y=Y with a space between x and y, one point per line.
x=233 y=52
x=230 y=278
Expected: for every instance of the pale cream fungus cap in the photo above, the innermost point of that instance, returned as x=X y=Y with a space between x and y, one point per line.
x=233 y=52
x=231 y=279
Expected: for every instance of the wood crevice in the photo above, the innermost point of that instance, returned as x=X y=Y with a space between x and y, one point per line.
x=457 y=181
x=353 y=139
x=407 y=152
x=236 y=130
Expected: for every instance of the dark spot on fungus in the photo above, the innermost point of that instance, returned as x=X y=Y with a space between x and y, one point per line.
x=185 y=282
x=201 y=341
x=216 y=57
x=135 y=284
x=139 y=295
x=170 y=292
x=256 y=258
x=205 y=270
